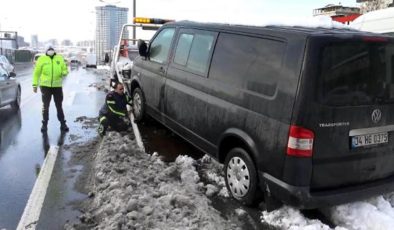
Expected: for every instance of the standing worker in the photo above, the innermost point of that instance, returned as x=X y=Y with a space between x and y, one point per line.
x=49 y=72
x=114 y=112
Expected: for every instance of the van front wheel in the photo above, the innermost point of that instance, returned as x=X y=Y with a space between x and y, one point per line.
x=138 y=104
x=241 y=176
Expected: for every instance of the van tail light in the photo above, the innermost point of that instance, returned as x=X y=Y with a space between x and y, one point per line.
x=375 y=39
x=300 y=142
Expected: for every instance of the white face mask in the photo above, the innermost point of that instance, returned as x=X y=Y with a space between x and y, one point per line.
x=50 y=52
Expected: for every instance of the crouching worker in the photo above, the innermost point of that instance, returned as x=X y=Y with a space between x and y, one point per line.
x=113 y=114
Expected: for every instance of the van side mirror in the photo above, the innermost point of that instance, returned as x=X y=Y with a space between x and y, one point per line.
x=142 y=48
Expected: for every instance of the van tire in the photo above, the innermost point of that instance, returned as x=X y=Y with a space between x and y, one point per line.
x=241 y=176
x=138 y=105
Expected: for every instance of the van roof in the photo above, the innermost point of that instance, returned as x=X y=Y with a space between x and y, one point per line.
x=274 y=29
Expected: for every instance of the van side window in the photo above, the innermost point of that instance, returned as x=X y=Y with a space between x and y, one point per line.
x=193 y=51
x=250 y=63
x=160 y=47
x=183 y=49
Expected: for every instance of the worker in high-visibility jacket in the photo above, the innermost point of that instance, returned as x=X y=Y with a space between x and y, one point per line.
x=49 y=72
x=113 y=114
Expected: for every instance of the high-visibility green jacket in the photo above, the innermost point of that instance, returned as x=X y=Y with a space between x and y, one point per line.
x=49 y=72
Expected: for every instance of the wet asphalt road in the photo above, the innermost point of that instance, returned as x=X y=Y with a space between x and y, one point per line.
x=23 y=147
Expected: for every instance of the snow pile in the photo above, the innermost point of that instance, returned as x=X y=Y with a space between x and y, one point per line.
x=291 y=218
x=104 y=67
x=134 y=190
x=375 y=213
x=213 y=173
x=311 y=22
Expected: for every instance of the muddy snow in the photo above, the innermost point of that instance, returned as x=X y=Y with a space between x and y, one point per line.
x=135 y=190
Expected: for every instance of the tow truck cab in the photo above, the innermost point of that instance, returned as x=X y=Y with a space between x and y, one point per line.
x=126 y=50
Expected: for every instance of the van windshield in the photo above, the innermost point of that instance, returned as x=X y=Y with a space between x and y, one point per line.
x=357 y=73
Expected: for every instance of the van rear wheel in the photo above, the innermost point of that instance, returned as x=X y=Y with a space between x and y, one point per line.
x=241 y=176
x=138 y=104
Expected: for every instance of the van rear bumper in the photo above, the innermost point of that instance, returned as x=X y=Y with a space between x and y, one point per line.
x=302 y=197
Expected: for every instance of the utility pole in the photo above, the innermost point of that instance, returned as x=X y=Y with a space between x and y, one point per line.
x=134 y=15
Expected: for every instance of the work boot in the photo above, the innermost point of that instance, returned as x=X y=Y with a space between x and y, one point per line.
x=44 y=126
x=64 y=127
x=101 y=130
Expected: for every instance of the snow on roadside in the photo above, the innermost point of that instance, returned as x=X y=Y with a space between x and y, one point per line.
x=134 y=190
x=375 y=213
x=213 y=173
x=291 y=218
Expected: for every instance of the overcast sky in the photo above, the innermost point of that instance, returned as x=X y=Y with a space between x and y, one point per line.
x=75 y=19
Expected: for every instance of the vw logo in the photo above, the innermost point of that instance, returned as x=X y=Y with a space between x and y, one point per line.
x=376 y=115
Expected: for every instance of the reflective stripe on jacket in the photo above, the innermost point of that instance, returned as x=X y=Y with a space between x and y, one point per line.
x=49 y=71
x=115 y=104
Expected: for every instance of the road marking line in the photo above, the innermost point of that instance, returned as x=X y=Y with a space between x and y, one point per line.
x=33 y=207
x=136 y=130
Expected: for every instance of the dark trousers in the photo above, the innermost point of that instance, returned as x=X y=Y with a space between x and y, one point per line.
x=47 y=93
x=113 y=122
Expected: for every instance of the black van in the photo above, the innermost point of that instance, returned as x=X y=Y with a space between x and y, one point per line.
x=302 y=115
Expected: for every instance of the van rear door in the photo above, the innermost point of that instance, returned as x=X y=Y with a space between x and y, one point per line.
x=347 y=100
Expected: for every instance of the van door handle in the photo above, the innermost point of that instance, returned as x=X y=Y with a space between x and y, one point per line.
x=162 y=70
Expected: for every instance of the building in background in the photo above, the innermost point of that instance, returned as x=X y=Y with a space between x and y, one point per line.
x=21 y=42
x=52 y=42
x=66 y=42
x=87 y=45
x=338 y=13
x=34 y=42
x=372 y=5
x=109 y=22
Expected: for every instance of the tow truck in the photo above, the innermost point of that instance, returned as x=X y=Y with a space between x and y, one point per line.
x=126 y=50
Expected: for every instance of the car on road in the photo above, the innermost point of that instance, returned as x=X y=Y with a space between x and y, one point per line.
x=74 y=63
x=91 y=60
x=10 y=90
x=269 y=103
x=5 y=63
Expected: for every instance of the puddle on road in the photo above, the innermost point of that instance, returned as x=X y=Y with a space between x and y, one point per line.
x=168 y=145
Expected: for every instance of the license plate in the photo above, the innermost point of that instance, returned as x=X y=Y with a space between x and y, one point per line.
x=370 y=139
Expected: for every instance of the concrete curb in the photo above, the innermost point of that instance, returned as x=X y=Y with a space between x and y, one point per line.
x=136 y=131
x=32 y=211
